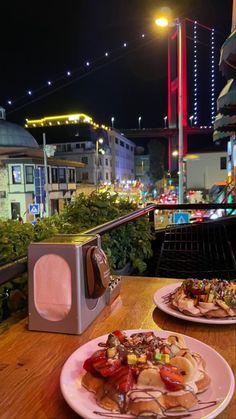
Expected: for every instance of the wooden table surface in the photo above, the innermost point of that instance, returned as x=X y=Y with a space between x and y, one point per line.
x=31 y=362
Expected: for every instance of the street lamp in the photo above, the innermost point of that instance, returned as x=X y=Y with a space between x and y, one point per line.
x=163 y=22
x=139 y=121
x=112 y=121
x=165 y=121
x=98 y=141
x=191 y=120
x=47 y=202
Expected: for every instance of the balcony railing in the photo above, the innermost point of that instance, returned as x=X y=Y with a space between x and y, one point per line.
x=13 y=269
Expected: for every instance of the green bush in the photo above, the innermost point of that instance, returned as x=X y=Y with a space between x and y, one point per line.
x=130 y=242
x=14 y=240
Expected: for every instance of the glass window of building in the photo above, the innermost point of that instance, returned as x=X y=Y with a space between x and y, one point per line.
x=222 y=163
x=122 y=143
x=29 y=174
x=62 y=175
x=117 y=141
x=127 y=146
x=106 y=162
x=71 y=175
x=54 y=173
x=16 y=174
x=84 y=159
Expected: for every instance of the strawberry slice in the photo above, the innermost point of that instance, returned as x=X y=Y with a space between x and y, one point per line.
x=172 y=377
x=107 y=368
x=122 y=380
x=96 y=357
x=120 y=335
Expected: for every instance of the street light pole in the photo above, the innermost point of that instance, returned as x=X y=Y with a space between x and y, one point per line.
x=139 y=121
x=47 y=209
x=191 y=120
x=163 y=22
x=98 y=141
x=180 y=109
x=165 y=121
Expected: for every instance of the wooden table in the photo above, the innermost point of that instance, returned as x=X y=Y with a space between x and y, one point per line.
x=31 y=362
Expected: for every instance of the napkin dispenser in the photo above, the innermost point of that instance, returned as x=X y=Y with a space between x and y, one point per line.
x=68 y=278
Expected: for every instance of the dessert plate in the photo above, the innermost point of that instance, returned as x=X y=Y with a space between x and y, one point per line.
x=160 y=301
x=211 y=403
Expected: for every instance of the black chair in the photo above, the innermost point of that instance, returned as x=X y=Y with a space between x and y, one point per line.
x=196 y=251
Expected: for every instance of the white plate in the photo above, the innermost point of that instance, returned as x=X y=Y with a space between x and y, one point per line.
x=162 y=305
x=83 y=401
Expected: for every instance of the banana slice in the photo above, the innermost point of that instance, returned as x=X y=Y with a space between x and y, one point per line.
x=177 y=340
x=190 y=358
x=150 y=377
x=185 y=365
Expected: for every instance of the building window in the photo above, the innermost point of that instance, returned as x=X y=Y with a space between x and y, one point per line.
x=122 y=143
x=223 y=163
x=84 y=159
x=54 y=173
x=62 y=175
x=106 y=162
x=107 y=176
x=131 y=148
x=127 y=146
x=116 y=140
x=16 y=174
x=85 y=176
x=71 y=175
x=29 y=174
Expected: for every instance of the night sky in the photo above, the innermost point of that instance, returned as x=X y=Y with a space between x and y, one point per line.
x=41 y=41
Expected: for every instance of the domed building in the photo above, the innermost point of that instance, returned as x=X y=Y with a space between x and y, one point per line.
x=24 y=191
x=14 y=137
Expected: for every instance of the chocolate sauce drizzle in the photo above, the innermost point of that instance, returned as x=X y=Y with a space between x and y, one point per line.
x=165 y=413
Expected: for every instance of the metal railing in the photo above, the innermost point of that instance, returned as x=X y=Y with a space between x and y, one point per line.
x=13 y=269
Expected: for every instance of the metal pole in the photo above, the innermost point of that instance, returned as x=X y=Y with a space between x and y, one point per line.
x=180 y=110
x=139 y=122
x=96 y=164
x=47 y=208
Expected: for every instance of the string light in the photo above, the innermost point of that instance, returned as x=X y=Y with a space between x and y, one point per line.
x=68 y=74
x=213 y=101
x=79 y=73
x=195 y=75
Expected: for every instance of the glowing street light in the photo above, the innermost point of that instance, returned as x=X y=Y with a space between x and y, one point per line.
x=112 y=121
x=163 y=22
x=165 y=121
x=191 y=120
x=139 y=121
